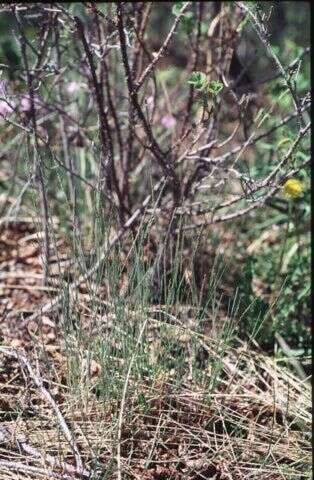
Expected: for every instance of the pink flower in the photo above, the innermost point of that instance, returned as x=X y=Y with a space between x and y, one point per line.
x=73 y=87
x=5 y=108
x=168 y=121
x=25 y=104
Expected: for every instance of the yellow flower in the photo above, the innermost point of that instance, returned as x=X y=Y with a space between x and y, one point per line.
x=293 y=188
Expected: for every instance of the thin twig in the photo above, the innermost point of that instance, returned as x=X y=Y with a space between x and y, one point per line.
x=153 y=145
x=262 y=33
x=254 y=205
x=42 y=472
x=46 y=394
x=38 y=161
x=162 y=49
x=68 y=470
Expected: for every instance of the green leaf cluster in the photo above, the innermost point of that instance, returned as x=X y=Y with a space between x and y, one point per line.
x=200 y=82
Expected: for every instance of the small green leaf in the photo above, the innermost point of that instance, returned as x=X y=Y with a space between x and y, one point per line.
x=198 y=80
x=215 y=87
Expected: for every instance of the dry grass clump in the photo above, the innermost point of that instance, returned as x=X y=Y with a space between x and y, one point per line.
x=245 y=417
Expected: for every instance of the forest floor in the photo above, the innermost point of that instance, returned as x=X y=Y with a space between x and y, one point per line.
x=246 y=417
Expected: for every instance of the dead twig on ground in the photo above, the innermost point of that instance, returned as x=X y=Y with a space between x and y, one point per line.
x=38 y=381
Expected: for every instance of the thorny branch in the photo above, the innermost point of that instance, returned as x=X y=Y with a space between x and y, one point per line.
x=38 y=159
x=152 y=132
